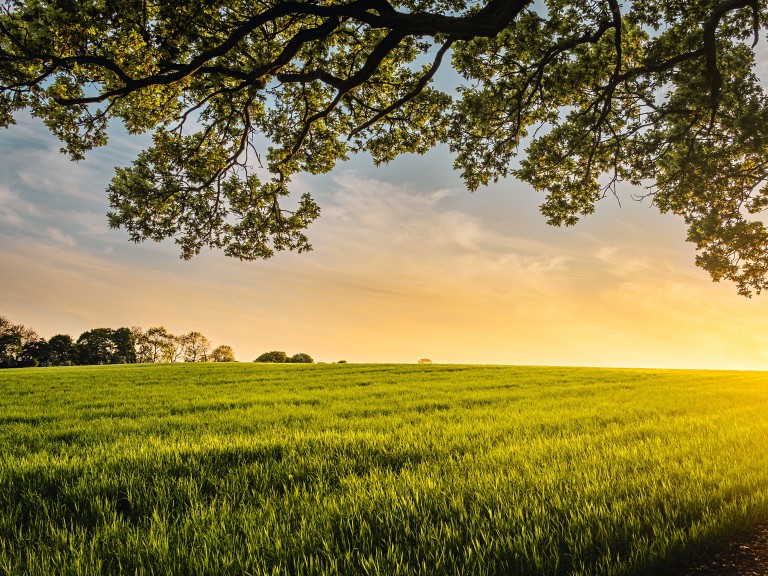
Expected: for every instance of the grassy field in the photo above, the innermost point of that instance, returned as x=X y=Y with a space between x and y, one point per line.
x=375 y=469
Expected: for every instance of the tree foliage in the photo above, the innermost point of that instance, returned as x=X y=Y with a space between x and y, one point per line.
x=14 y=339
x=156 y=345
x=10 y=348
x=125 y=346
x=195 y=347
x=276 y=356
x=241 y=96
x=63 y=350
x=223 y=353
x=301 y=358
x=98 y=346
x=35 y=353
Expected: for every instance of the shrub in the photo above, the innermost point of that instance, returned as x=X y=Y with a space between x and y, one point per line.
x=425 y=361
x=274 y=356
x=301 y=358
x=341 y=362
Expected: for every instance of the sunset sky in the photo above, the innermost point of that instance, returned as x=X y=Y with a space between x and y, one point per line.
x=406 y=264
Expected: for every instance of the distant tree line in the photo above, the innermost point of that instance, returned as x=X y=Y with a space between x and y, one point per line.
x=21 y=346
x=281 y=357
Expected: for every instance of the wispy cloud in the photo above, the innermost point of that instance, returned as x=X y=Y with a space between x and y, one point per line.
x=58 y=237
x=15 y=210
x=401 y=232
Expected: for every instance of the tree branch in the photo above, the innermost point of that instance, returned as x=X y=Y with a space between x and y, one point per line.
x=377 y=55
x=714 y=77
x=423 y=81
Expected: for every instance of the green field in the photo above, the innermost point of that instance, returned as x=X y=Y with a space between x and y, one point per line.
x=375 y=469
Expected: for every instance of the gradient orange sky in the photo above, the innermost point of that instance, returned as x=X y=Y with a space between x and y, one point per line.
x=407 y=264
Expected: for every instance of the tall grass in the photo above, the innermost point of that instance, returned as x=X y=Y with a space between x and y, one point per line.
x=348 y=469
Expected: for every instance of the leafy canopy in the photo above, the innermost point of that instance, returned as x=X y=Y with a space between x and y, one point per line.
x=223 y=353
x=274 y=356
x=242 y=94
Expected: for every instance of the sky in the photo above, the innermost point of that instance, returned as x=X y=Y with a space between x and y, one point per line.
x=407 y=264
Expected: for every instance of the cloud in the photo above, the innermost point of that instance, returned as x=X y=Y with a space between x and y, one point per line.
x=46 y=197
x=48 y=223
x=14 y=210
x=59 y=238
x=10 y=218
x=404 y=232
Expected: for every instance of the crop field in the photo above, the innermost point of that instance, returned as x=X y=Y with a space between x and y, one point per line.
x=375 y=469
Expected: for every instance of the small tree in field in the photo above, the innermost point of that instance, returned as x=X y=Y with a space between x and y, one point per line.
x=36 y=353
x=63 y=350
x=157 y=345
x=275 y=356
x=13 y=337
x=195 y=347
x=96 y=346
x=10 y=348
x=301 y=358
x=425 y=361
x=125 y=344
x=223 y=354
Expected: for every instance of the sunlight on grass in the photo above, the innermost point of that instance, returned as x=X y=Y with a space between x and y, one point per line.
x=374 y=469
